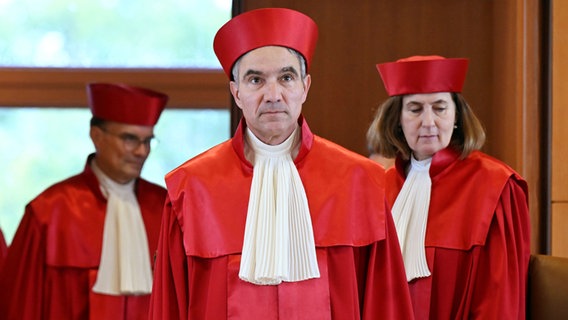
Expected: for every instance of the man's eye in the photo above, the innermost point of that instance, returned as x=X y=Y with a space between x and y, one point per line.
x=287 y=78
x=129 y=138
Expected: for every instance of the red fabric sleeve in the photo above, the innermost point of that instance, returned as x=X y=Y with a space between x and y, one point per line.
x=500 y=287
x=3 y=248
x=387 y=295
x=22 y=276
x=170 y=293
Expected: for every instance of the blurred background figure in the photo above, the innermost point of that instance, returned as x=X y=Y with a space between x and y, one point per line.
x=84 y=247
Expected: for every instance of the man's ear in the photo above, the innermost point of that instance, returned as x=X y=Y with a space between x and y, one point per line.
x=96 y=135
x=307 y=83
x=235 y=92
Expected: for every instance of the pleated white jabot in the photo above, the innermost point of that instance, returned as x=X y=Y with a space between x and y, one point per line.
x=410 y=214
x=125 y=262
x=279 y=241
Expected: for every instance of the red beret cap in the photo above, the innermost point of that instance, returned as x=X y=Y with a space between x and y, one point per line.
x=423 y=74
x=265 y=27
x=125 y=104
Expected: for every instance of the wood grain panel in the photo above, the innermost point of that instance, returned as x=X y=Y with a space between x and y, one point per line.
x=560 y=101
x=66 y=87
x=560 y=229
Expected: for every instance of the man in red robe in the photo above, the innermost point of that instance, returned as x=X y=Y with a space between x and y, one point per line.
x=276 y=223
x=84 y=247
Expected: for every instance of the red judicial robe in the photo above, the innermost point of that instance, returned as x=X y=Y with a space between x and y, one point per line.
x=53 y=260
x=199 y=253
x=3 y=248
x=477 y=239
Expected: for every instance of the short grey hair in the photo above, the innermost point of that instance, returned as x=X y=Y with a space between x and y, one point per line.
x=303 y=69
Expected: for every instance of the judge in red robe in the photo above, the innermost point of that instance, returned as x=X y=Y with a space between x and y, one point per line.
x=76 y=228
x=238 y=241
x=461 y=216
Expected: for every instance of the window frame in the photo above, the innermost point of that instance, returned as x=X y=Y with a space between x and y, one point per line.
x=66 y=87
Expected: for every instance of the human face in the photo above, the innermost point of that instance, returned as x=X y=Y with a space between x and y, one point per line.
x=270 y=91
x=427 y=121
x=113 y=156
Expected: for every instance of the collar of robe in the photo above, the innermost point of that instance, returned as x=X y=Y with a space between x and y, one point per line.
x=278 y=241
x=410 y=215
x=125 y=267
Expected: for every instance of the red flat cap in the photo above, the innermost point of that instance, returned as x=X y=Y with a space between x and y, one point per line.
x=423 y=74
x=265 y=27
x=125 y=104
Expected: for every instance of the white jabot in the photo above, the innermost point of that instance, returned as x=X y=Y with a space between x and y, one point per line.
x=125 y=266
x=410 y=214
x=279 y=241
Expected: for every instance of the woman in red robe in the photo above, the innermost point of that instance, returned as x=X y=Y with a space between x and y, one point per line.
x=461 y=216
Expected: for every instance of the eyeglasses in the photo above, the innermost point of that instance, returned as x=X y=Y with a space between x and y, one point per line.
x=132 y=142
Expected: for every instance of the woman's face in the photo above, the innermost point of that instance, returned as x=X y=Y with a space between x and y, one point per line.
x=427 y=121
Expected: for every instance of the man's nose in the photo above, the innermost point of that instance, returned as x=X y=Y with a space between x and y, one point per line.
x=273 y=92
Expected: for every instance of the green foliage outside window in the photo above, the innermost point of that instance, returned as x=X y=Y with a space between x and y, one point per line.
x=110 y=33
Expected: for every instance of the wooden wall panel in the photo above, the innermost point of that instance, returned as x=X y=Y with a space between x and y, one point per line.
x=560 y=102
x=559 y=227
x=559 y=152
x=501 y=39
